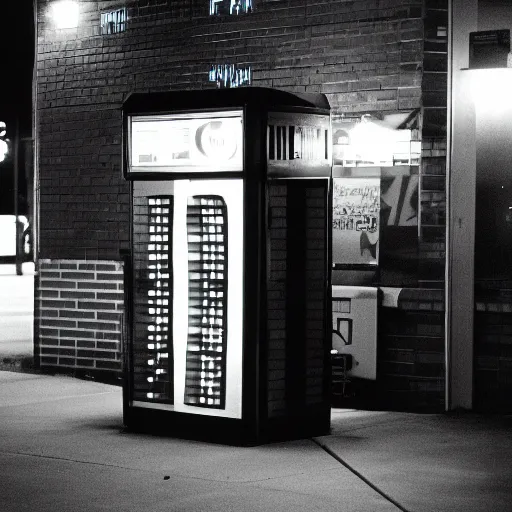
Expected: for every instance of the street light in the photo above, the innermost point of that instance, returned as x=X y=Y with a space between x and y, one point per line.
x=4 y=147
x=65 y=14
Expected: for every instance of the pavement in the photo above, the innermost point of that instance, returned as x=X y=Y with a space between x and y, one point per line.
x=63 y=448
x=16 y=311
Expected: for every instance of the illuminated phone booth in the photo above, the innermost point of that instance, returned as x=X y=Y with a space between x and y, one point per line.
x=228 y=296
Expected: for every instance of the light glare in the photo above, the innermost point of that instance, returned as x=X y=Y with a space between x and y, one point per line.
x=4 y=149
x=491 y=88
x=65 y=14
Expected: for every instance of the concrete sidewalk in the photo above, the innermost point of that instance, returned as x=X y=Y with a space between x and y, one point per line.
x=16 y=314
x=62 y=448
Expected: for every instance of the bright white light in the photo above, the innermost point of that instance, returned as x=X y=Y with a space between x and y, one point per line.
x=232 y=193
x=2 y=129
x=65 y=14
x=491 y=89
x=4 y=149
x=373 y=142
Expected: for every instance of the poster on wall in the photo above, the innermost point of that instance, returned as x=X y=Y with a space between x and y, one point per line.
x=355 y=223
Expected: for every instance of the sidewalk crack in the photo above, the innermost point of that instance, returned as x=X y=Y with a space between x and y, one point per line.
x=359 y=475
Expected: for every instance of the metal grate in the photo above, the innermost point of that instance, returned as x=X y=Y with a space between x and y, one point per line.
x=297 y=142
x=153 y=355
x=205 y=377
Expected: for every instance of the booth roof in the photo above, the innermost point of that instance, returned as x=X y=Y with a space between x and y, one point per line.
x=260 y=97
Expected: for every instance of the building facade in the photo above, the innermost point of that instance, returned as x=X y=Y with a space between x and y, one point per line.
x=384 y=67
x=479 y=247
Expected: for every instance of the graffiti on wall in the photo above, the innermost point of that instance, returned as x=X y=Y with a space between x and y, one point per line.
x=363 y=208
x=356 y=211
x=230 y=75
x=399 y=200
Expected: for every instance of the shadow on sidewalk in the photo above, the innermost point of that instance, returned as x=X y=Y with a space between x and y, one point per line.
x=18 y=363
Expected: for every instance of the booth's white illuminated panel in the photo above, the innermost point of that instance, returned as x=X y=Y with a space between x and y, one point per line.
x=208 y=340
x=206 y=142
x=188 y=296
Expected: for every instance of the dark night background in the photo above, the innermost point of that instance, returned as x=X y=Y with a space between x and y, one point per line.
x=16 y=61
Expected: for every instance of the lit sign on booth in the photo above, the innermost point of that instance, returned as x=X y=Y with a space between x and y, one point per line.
x=206 y=142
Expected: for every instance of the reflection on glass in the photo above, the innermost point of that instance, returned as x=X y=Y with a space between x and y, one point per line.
x=356 y=211
x=205 y=377
x=153 y=380
x=367 y=141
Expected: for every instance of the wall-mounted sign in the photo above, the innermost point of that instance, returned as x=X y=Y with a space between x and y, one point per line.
x=235 y=7
x=230 y=75
x=489 y=49
x=206 y=142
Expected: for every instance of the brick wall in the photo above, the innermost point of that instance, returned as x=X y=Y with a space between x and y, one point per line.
x=433 y=157
x=411 y=339
x=493 y=357
x=411 y=367
x=365 y=55
x=493 y=346
x=78 y=314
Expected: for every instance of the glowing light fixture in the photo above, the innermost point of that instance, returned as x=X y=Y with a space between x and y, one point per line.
x=4 y=148
x=65 y=14
x=491 y=88
x=372 y=141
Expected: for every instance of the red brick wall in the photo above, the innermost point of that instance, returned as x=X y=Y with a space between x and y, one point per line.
x=365 y=55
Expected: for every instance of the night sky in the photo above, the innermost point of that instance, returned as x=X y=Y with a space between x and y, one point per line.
x=16 y=69
x=17 y=53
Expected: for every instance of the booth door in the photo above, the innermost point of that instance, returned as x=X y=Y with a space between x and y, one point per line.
x=187 y=296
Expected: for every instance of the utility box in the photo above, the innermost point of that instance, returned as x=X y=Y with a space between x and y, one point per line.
x=228 y=290
x=354 y=328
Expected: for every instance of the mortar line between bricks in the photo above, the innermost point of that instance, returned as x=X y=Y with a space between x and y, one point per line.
x=359 y=475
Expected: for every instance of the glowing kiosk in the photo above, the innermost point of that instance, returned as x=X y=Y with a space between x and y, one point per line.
x=228 y=281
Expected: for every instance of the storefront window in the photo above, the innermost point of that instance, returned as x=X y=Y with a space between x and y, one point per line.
x=376 y=219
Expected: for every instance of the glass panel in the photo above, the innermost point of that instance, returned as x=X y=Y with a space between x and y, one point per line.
x=205 y=377
x=152 y=344
x=356 y=209
x=206 y=142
